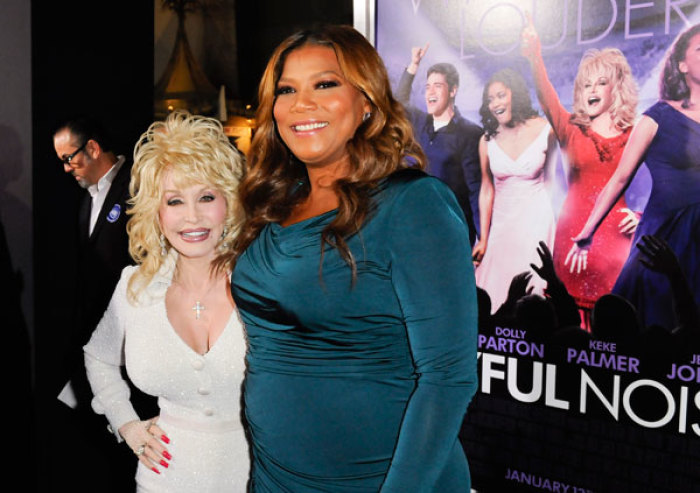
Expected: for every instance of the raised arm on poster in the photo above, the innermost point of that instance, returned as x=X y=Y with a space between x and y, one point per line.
x=595 y=112
x=594 y=135
x=417 y=54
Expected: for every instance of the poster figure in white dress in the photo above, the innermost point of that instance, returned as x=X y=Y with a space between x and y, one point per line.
x=517 y=153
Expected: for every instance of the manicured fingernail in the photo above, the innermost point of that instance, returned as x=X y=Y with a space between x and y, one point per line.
x=165 y=439
x=163 y=463
x=167 y=455
x=155 y=470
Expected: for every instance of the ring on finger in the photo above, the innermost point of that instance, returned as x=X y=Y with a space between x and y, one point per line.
x=139 y=451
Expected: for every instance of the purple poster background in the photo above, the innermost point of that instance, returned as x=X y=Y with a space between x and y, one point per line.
x=586 y=421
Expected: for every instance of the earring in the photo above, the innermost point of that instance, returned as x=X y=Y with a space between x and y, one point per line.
x=163 y=250
x=366 y=116
x=223 y=247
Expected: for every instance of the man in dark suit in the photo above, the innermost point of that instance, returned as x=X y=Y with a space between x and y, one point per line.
x=84 y=148
x=450 y=141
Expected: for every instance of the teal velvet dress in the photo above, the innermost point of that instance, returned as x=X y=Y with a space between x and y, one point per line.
x=362 y=387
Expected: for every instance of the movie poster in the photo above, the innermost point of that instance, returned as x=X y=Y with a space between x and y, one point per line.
x=589 y=352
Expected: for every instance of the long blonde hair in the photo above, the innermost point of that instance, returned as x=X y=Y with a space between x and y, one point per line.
x=196 y=151
x=612 y=63
x=384 y=143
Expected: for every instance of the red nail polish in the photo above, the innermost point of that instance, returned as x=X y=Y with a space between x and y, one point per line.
x=167 y=455
x=165 y=439
x=155 y=470
x=163 y=463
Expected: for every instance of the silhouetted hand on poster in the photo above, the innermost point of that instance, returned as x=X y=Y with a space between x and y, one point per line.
x=546 y=271
x=659 y=256
x=518 y=287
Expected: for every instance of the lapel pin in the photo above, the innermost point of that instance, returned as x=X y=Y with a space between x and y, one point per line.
x=114 y=213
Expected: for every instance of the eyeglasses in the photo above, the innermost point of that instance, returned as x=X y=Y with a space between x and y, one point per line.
x=66 y=160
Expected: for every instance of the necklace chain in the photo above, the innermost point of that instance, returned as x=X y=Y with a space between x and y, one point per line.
x=198 y=307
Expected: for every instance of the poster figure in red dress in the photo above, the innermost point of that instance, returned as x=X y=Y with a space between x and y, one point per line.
x=593 y=137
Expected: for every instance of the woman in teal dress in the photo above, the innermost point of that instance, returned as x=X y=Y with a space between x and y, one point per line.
x=355 y=283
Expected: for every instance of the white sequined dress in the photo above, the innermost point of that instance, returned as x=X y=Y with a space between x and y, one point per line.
x=198 y=395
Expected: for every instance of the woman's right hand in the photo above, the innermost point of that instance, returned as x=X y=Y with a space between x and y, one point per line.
x=529 y=39
x=144 y=439
x=478 y=252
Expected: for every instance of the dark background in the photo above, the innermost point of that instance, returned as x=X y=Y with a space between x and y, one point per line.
x=97 y=58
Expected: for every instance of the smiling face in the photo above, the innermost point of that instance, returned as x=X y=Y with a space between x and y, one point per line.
x=316 y=109
x=438 y=95
x=596 y=93
x=192 y=217
x=499 y=97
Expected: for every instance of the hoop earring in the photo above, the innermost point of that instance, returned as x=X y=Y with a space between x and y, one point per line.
x=366 y=116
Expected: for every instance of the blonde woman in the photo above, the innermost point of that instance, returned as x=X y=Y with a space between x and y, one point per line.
x=593 y=136
x=172 y=321
x=667 y=138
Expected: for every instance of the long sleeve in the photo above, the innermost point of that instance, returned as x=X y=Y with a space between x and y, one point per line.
x=549 y=100
x=433 y=277
x=403 y=91
x=104 y=358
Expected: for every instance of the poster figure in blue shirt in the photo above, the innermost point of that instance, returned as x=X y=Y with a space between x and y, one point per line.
x=450 y=141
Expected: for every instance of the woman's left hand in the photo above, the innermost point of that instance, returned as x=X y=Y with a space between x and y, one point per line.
x=628 y=224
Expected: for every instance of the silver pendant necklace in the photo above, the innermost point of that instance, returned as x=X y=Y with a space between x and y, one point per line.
x=198 y=308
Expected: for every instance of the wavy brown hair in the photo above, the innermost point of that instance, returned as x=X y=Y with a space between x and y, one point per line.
x=277 y=181
x=612 y=63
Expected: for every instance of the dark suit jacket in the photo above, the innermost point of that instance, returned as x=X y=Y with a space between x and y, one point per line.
x=101 y=258
x=452 y=152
